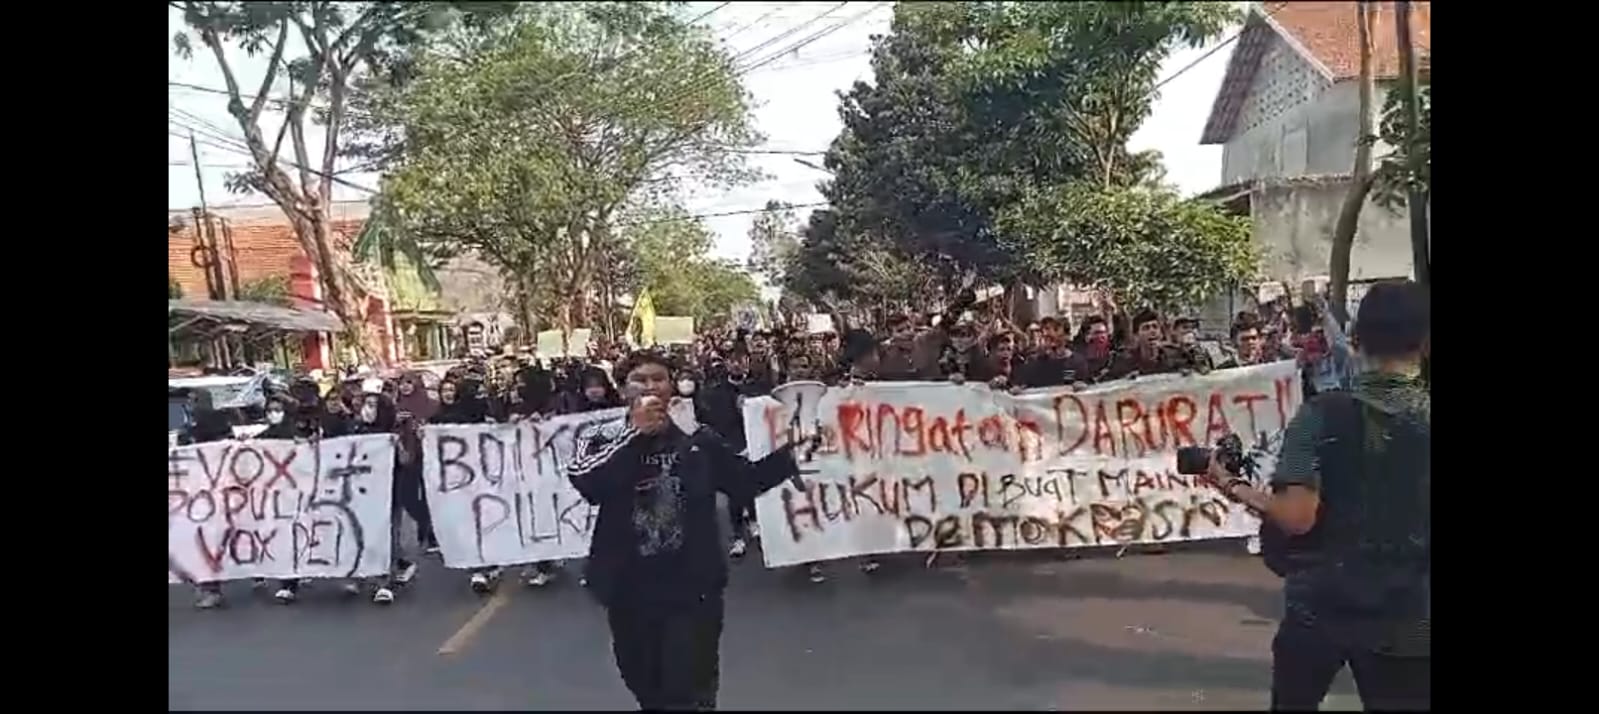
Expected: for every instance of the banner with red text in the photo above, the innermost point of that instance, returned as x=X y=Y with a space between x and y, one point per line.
x=279 y=509
x=919 y=466
x=498 y=493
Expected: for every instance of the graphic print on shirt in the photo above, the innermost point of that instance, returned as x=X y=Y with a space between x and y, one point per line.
x=658 y=506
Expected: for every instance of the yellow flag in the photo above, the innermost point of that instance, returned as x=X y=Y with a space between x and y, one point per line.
x=644 y=315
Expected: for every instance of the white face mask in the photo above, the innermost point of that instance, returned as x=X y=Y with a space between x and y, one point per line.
x=274 y=417
x=369 y=414
x=685 y=387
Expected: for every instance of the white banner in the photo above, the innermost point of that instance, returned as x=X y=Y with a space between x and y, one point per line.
x=279 y=509
x=499 y=495
x=916 y=466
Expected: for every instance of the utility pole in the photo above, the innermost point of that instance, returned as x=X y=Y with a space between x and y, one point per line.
x=203 y=233
x=1419 y=201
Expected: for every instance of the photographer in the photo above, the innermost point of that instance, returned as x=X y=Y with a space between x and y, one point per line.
x=1351 y=496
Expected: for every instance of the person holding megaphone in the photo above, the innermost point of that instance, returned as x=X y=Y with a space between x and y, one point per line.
x=656 y=561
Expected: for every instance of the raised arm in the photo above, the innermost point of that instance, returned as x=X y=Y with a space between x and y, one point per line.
x=740 y=479
x=605 y=467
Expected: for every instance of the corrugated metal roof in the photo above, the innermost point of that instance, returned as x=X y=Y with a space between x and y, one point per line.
x=282 y=318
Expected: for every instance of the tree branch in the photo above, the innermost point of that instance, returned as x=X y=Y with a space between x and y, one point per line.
x=271 y=75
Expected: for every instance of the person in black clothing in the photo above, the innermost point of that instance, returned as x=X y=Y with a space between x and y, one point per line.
x=376 y=415
x=962 y=358
x=282 y=424
x=1054 y=363
x=721 y=407
x=1147 y=352
x=1348 y=521
x=655 y=562
x=595 y=392
x=1002 y=366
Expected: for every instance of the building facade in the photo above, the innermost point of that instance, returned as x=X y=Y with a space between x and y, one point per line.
x=1288 y=119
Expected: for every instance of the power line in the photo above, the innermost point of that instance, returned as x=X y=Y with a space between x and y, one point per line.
x=744 y=212
x=813 y=38
x=280 y=160
x=710 y=12
x=1213 y=50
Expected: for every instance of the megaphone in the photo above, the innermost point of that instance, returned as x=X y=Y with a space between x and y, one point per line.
x=802 y=400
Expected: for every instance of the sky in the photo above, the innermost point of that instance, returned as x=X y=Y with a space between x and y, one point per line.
x=795 y=107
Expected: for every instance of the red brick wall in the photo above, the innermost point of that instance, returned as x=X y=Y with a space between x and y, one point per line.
x=260 y=249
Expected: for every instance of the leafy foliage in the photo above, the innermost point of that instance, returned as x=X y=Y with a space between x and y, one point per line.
x=1147 y=246
x=1393 y=178
x=774 y=242
x=345 y=46
x=524 y=139
x=272 y=290
x=672 y=251
x=383 y=238
x=976 y=105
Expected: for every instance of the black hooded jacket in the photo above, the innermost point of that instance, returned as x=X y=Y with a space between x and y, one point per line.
x=643 y=553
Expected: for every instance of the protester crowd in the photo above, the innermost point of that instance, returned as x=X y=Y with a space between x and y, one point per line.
x=725 y=367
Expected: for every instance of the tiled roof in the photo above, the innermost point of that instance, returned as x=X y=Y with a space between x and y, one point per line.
x=1327 y=31
x=1325 y=35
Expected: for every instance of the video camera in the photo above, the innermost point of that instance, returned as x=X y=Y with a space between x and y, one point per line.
x=1229 y=451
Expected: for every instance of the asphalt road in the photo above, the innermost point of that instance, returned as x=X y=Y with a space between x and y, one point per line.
x=1186 y=630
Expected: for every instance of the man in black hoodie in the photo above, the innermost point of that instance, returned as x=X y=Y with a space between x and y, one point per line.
x=656 y=561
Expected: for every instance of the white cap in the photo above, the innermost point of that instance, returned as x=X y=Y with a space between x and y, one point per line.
x=372 y=386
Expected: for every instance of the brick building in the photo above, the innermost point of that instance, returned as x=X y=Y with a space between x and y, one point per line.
x=257 y=243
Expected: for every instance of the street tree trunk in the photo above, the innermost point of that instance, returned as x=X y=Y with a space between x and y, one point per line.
x=1343 y=237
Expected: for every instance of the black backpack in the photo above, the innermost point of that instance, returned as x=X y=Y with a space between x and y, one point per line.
x=1282 y=552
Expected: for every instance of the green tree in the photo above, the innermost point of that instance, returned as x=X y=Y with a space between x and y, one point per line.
x=1394 y=179
x=1148 y=246
x=672 y=250
x=774 y=242
x=337 y=47
x=524 y=140
x=975 y=105
x=271 y=290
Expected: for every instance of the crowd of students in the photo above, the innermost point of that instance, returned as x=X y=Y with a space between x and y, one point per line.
x=724 y=368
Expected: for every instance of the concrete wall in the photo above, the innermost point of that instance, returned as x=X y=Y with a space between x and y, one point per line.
x=1294 y=224
x=1294 y=123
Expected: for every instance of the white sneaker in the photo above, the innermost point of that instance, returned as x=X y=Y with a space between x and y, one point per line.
x=870 y=566
x=433 y=550
x=208 y=600
x=259 y=583
x=383 y=596
x=816 y=574
x=538 y=579
x=480 y=583
x=755 y=530
x=1252 y=546
x=406 y=574
x=738 y=548
x=351 y=588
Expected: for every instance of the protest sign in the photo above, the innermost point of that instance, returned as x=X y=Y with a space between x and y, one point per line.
x=674 y=330
x=816 y=324
x=279 y=509
x=549 y=343
x=918 y=466
x=499 y=495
